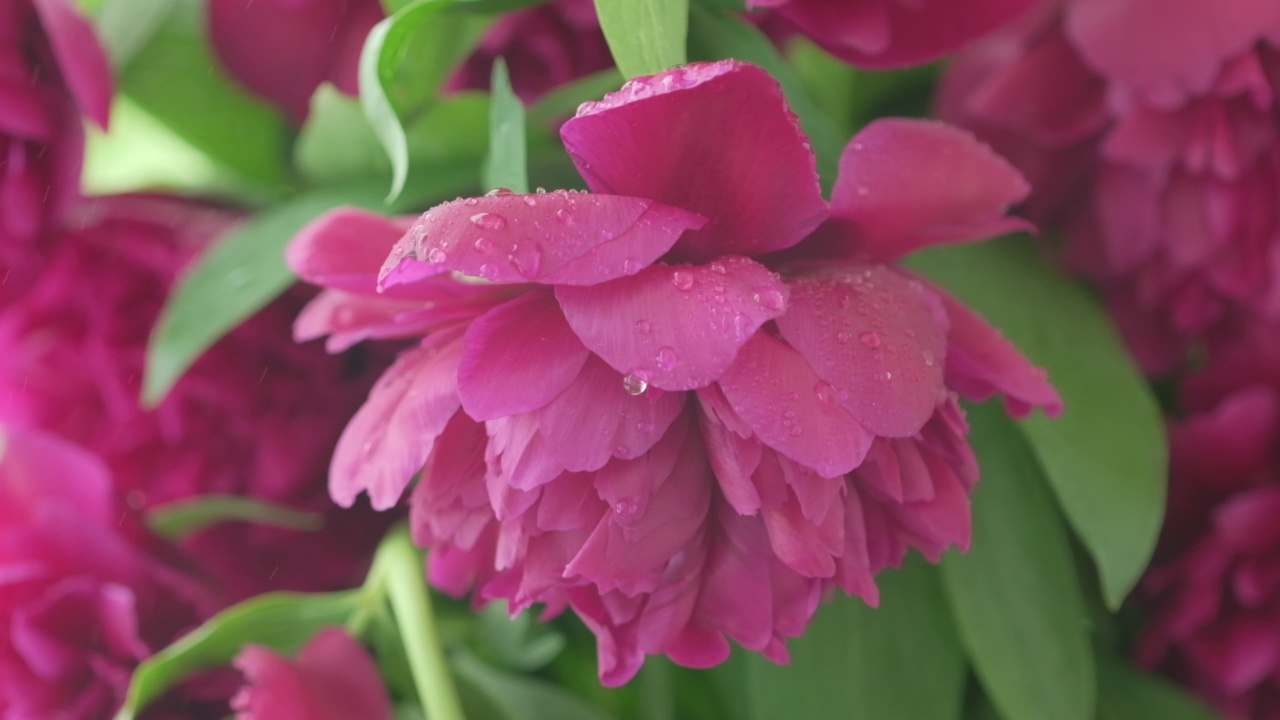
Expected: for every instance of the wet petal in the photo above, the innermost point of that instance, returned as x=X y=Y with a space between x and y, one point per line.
x=680 y=137
x=344 y=249
x=517 y=357
x=676 y=328
x=553 y=238
x=877 y=337
x=908 y=184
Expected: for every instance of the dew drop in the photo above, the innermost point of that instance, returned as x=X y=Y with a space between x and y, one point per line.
x=769 y=298
x=842 y=337
x=790 y=414
x=794 y=431
x=499 y=192
x=626 y=509
x=483 y=245
x=718 y=268
x=527 y=263
x=487 y=271
x=564 y=216
x=489 y=221
x=682 y=279
x=667 y=358
x=471 y=202
x=634 y=385
x=530 y=200
x=644 y=327
x=436 y=256
x=644 y=428
x=928 y=358
x=884 y=376
x=870 y=339
x=631 y=266
x=825 y=393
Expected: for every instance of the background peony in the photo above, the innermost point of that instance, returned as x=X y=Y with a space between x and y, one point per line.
x=333 y=678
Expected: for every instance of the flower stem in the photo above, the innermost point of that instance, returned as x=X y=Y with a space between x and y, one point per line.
x=402 y=576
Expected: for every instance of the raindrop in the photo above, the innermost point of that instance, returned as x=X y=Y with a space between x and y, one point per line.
x=644 y=327
x=530 y=200
x=862 y=190
x=769 y=298
x=471 y=202
x=667 y=358
x=487 y=271
x=608 y=234
x=489 y=221
x=630 y=266
x=682 y=279
x=928 y=358
x=436 y=256
x=483 y=244
x=794 y=431
x=527 y=264
x=626 y=508
x=634 y=385
x=718 y=268
x=842 y=337
x=886 y=375
x=644 y=428
x=870 y=339
x=564 y=216
x=825 y=393
x=790 y=414
x=499 y=192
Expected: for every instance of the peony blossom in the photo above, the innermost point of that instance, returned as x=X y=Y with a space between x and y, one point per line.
x=283 y=49
x=688 y=402
x=52 y=71
x=81 y=603
x=544 y=46
x=333 y=678
x=893 y=33
x=246 y=419
x=1154 y=152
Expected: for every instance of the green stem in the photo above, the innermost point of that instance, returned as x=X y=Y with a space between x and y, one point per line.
x=411 y=605
x=657 y=698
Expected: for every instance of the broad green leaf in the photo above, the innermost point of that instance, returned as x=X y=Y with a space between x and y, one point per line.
x=507 y=164
x=515 y=643
x=645 y=36
x=405 y=60
x=179 y=519
x=1014 y=595
x=1105 y=456
x=281 y=621
x=563 y=101
x=1125 y=693
x=175 y=79
x=717 y=34
x=901 y=661
x=521 y=698
x=337 y=143
x=125 y=26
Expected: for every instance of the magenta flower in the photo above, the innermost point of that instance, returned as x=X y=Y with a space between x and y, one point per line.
x=244 y=420
x=283 y=49
x=688 y=402
x=81 y=603
x=1155 y=153
x=893 y=33
x=333 y=678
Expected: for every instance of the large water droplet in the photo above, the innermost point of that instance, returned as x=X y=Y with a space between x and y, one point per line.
x=870 y=339
x=769 y=298
x=634 y=385
x=483 y=245
x=826 y=393
x=564 y=216
x=436 y=256
x=667 y=358
x=682 y=279
x=499 y=192
x=527 y=263
x=644 y=327
x=489 y=221
x=625 y=509
x=794 y=430
x=487 y=271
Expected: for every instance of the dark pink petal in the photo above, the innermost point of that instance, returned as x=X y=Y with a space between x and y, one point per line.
x=733 y=452
x=333 y=678
x=349 y=318
x=676 y=328
x=81 y=59
x=38 y=467
x=344 y=249
x=854 y=573
x=681 y=137
x=807 y=548
x=908 y=184
x=553 y=238
x=982 y=363
x=1247 y=521
x=517 y=357
x=792 y=410
x=877 y=337
x=392 y=434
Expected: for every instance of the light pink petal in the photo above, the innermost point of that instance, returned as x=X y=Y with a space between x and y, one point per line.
x=553 y=238
x=683 y=137
x=333 y=677
x=877 y=337
x=982 y=363
x=517 y=357
x=791 y=409
x=344 y=249
x=81 y=59
x=676 y=328
x=38 y=467
x=908 y=184
x=392 y=434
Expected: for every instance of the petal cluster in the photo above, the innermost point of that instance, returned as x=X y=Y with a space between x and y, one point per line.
x=332 y=678
x=688 y=402
x=1155 y=153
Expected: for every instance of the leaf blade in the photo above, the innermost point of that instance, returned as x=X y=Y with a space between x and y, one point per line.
x=507 y=164
x=645 y=36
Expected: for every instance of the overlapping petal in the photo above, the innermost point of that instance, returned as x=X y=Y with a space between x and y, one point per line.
x=80 y=57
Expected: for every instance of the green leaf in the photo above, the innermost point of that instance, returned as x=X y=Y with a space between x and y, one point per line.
x=716 y=34
x=507 y=164
x=405 y=60
x=179 y=519
x=280 y=621
x=1015 y=596
x=516 y=643
x=901 y=661
x=645 y=36
x=521 y=698
x=125 y=26
x=175 y=79
x=1126 y=693
x=337 y=143
x=1105 y=456
x=563 y=101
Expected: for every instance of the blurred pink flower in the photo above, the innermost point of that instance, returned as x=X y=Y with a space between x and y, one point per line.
x=893 y=33
x=333 y=678
x=283 y=49
x=688 y=402
x=81 y=603
x=1149 y=133
x=246 y=419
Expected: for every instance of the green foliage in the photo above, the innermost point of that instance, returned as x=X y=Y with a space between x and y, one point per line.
x=645 y=36
x=181 y=518
x=507 y=162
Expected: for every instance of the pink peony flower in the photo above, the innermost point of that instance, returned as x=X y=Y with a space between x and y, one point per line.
x=283 y=49
x=81 y=603
x=1149 y=132
x=544 y=46
x=52 y=71
x=688 y=402
x=893 y=33
x=246 y=419
x=333 y=678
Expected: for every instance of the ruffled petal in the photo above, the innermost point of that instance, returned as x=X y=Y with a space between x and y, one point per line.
x=517 y=357
x=393 y=433
x=349 y=318
x=681 y=137
x=344 y=249
x=908 y=184
x=81 y=59
x=792 y=410
x=561 y=237
x=877 y=337
x=676 y=328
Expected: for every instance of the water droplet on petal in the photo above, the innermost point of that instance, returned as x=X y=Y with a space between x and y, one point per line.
x=794 y=431
x=842 y=337
x=631 y=266
x=769 y=298
x=634 y=385
x=643 y=327
x=530 y=200
x=928 y=358
x=436 y=256
x=718 y=268
x=489 y=221
x=790 y=414
x=564 y=216
x=886 y=375
x=471 y=202
x=682 y=279
x=870 y=339
x=667 y=358
x=483 y=245
x=825 y=393
x=644 y=428
x=626 y=509
x=499 y=192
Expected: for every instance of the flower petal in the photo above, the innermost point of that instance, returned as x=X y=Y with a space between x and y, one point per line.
x=677 y=328
x=907 y=184
x=391 y=436
x=332 y=677
x=344 y=249
x=517 y=357
x=877 y=337
x=774 y=390
x=681 y=137
x=554 y=238
x=80 y=57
